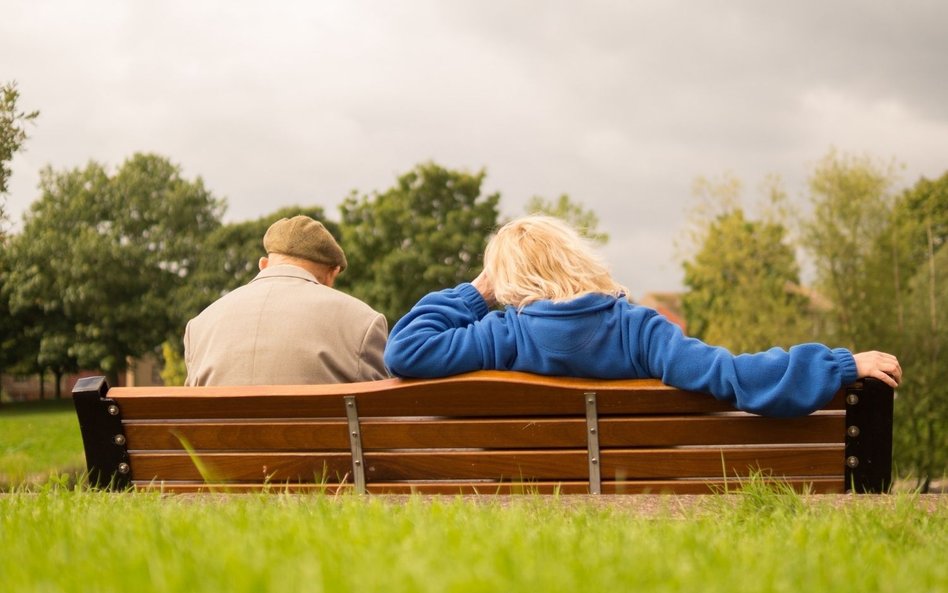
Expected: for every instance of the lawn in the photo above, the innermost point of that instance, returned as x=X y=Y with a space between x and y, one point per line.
x=61 y=539
x=58 y=537
x=38 y=439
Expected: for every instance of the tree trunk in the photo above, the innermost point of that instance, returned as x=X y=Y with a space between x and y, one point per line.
x=58 y=374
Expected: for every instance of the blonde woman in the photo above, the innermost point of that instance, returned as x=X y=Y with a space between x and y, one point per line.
x=565 y=315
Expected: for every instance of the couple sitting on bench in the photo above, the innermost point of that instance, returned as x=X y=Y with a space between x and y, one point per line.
x=563 y=315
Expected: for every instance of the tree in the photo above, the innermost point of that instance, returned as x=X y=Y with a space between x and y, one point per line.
x=742 y=275
x=882 y=261
x=914 y=257
x=851 y=199
x=743 y=286
x=583 y=220
x=37 y=340
x=921 y=411
x=36 y=334
x=11 y=327
x=173 y=370
x=12 y=135
x=426 y=233
x=105 y=256
x=904 y=247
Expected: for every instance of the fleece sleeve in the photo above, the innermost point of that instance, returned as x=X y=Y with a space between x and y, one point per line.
x=441 y=336
x=776 y=382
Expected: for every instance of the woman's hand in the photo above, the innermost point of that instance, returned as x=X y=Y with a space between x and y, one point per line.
x=879 y=365
x=484 y=286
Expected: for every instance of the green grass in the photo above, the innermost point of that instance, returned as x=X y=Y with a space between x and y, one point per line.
x=75 y=540
x=57 y=538
x=37 y=440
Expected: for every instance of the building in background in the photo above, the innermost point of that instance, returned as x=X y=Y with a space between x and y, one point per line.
x=668 y=304
x=17 y=388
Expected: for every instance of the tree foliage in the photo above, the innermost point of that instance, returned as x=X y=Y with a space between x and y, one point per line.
x=881 y=260
x=915 y=231
x=913 y=256
x=742 y=277
x=743 y=286
x=104 y=258
x=880 y=266
x=11 y=327
x=12 y=135
x=921 y=411
x=174 y=371
x=426 y=233
x=13 y=342
x=852 y=200
x=582 y=219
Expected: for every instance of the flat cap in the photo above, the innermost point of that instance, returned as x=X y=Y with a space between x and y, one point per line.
x=301 y=236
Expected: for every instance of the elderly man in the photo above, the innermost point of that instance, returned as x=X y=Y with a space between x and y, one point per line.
x=288 y=325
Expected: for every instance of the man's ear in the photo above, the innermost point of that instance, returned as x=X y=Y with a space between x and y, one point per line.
x=331 y=275
x=263 y=263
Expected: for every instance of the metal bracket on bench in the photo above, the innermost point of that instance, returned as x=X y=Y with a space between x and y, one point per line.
x=355 y=444
x=869 y=436
x=100 y=421
x=592 y=443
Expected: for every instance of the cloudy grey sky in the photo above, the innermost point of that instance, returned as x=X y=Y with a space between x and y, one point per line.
x=620 y=104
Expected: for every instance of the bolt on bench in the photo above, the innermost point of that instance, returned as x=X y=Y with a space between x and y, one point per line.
x=487 y=432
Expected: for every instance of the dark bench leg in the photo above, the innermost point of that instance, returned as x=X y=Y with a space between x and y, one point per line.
x=100 y=421
x=869 y=437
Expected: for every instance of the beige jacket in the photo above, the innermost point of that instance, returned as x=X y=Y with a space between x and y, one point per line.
x=285 y=328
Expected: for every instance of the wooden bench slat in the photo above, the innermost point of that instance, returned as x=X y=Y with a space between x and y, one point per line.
x=486 y=393
x=509 y=381
x=730 y=430
x=519 y=433
x=459 y=386
x=613 y=432
x=530 y=401
x=739 y=461
x=245 y=435
x=207 y=407
x=532 y=465
x=624 y=464
x=485 y=404
x=419 y=402
x=462 y=395
x=385 y=466
x=259 y=467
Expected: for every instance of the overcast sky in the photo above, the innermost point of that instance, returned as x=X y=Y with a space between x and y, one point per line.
x=619 y=104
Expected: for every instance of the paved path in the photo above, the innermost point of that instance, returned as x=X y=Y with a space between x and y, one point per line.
x=679 y=505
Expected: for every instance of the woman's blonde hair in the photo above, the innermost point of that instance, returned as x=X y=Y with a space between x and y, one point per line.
x=542 y=258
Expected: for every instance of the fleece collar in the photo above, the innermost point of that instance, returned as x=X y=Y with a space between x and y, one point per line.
x=589 y=303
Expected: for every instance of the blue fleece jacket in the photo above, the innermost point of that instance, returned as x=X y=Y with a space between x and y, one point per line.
x=599 y=336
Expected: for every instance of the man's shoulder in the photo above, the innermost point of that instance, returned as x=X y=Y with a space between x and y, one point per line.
x=314 y=293
x=354 y=304
x=288 y=293
x=223 y=303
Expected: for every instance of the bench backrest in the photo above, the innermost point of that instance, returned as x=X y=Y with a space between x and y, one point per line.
x=485 y=432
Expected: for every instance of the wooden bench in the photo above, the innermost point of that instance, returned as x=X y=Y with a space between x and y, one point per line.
x=486 y=432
